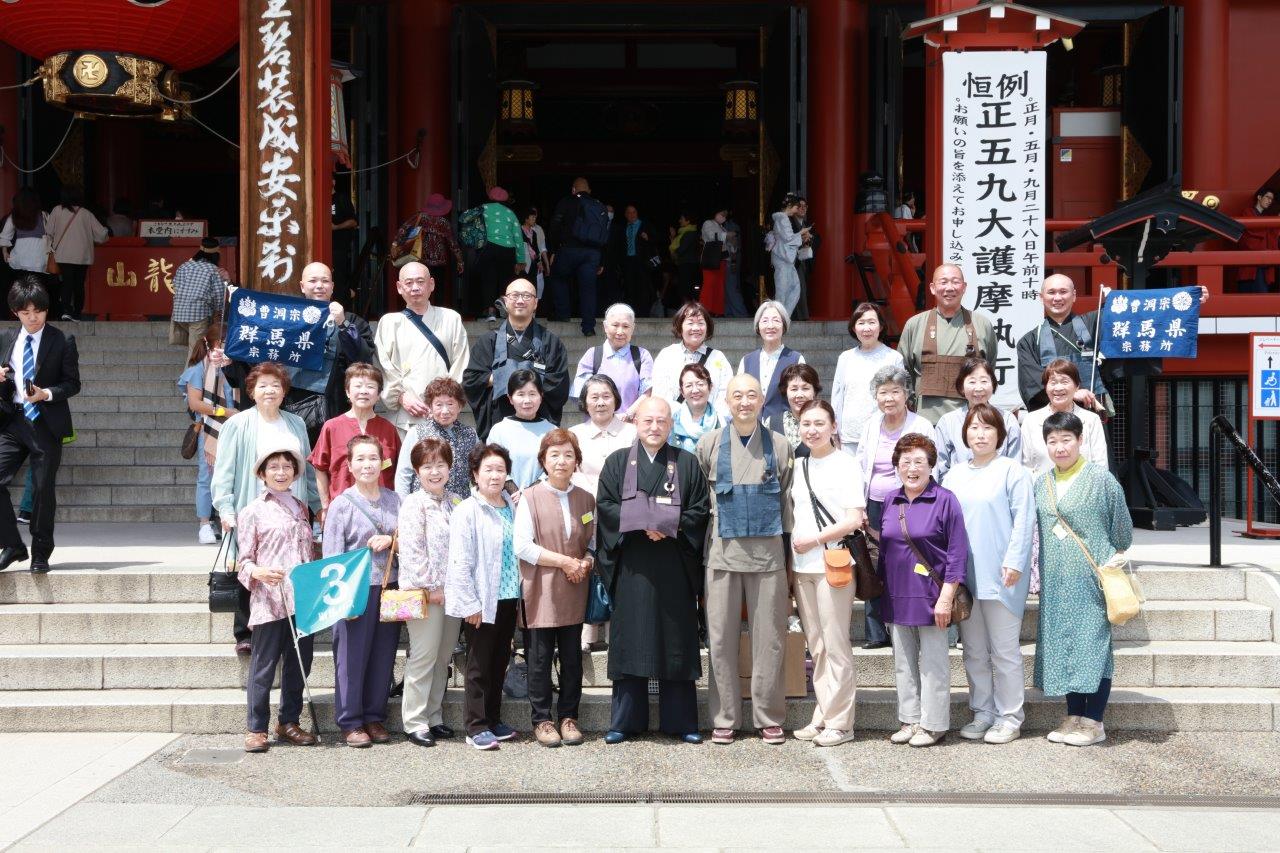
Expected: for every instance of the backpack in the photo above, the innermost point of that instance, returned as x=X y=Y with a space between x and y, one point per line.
x=590 y=226
x=597 y=355
x=471 y=229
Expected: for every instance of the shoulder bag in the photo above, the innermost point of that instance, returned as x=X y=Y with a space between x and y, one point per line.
x=191 y=438
x=850 y=558
x=599 y=600
x=51 y=263
x=962 y=603
x=1115 y=577
x=224 y=585
x=400 y=605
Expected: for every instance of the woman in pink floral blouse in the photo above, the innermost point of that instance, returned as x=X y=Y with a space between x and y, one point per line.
x=424 y=559
x=274 y=536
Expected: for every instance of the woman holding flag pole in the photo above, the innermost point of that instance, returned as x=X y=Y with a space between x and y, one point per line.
x=364 y=648
x=274 y=535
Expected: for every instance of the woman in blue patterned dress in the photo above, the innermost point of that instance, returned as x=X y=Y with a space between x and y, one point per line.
x=1076 y=498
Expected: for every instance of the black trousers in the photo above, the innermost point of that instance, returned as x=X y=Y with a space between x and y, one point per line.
x=20 y=439
x=637 y=284
x=540 y=648
x=488 y=653
x=273 y=645
x=240 y=624
x=73 y=276
x=688 y=280
x=677 y=706
x=494 y=270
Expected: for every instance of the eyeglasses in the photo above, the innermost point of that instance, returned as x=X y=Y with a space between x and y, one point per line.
x=522 y=297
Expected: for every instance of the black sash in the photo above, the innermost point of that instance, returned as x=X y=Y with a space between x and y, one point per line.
x=430 y=336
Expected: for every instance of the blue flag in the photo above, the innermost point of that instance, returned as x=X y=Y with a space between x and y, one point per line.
x=326 y=591
x=273 y=327
x=1150 y=323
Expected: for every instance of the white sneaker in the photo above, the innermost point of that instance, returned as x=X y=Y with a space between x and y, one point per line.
x=809 y=732
x=924 y=737
x=1001 y=734
x=833 y=737
x=206 y=535
x=1087 y=733
x=1066 y=727
x=904 y=734
x=975 y=730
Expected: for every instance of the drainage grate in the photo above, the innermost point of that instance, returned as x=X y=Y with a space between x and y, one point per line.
x=846 y=798
x=212 y=756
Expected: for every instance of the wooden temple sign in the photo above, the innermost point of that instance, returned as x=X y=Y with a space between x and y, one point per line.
x=278 y=99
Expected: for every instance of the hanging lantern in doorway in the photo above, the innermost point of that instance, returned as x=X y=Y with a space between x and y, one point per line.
x=115 y=57
x=515 y=110
x=339 y=142
x=741 y=113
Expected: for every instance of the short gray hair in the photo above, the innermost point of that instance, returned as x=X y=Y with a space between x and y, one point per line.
x=621 y=308
x=776 y=306
x=891 y=374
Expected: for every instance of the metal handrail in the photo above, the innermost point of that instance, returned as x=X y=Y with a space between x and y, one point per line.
x=1220 y=425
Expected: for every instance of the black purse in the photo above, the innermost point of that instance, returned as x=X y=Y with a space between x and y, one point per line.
x=711 y=255
x=224 y=584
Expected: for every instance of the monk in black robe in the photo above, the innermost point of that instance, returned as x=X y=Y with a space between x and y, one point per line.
x=652 y=508
x=519 y=343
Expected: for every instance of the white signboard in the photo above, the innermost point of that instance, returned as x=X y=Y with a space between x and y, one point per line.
x=1264 y=376
x=189 y=228
x=994 y=127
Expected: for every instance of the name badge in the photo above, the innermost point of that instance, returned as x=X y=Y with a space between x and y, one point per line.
x=386 y=463
x=1059 y=531
x=541 y=368
x=588 y=517
x=663 y=501
x=921 y=569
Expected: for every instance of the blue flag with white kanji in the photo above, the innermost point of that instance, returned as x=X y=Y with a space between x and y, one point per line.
x=274 y=327
x=1150 y=323
x=330 y=590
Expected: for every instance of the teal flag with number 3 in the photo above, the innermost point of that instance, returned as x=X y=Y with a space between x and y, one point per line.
x=327 y=591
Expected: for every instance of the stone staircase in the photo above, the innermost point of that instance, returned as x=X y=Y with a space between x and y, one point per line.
x=126 y=650
x=125 y=467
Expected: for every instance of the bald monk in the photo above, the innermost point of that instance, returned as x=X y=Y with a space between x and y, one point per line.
x=935 y=344
x=748 y=469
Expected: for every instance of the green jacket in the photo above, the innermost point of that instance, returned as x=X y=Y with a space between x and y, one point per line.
x=501 y=226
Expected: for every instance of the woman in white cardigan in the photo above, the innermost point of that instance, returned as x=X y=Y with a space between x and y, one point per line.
x=1061 y=380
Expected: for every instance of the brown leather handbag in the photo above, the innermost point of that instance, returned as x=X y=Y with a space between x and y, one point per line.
x=962 y=603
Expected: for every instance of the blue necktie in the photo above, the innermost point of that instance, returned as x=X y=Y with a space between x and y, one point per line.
x=29 y=375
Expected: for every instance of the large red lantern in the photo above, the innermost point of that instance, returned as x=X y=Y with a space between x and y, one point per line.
x=115 y=56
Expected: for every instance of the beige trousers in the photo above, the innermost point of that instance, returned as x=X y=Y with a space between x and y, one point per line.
x=189 y=334
x=825 y=613
x=766 y=596
x=426 y=670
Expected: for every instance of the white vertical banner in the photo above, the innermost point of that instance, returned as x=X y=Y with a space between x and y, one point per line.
x=994 y=132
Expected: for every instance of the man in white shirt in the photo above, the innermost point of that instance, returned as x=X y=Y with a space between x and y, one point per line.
x=417 y=345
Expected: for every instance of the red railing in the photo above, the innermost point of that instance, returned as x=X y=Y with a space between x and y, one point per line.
x=885 y=239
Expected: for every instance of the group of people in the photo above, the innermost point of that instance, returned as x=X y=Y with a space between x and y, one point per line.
x=56 y=248
x=695 y=491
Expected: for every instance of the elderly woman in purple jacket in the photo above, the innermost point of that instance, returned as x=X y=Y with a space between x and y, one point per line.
x=923 y=554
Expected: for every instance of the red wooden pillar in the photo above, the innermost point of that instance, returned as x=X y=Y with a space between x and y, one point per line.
x=834 y=60
x=1206 y=94
x=421 y=49
x=9 y=134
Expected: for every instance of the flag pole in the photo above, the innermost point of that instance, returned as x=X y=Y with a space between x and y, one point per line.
x=1097 y=343
x=306 y=686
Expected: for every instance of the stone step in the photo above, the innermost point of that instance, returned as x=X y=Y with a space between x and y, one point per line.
x=129 y=514
x=127 y=369
x=132 y=585
x=110 y=351
x=216 y=665
x=127 y=496
x=1157 y=710
x=1185 y=621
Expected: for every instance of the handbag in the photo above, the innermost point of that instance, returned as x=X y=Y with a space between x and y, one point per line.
x=191 y=439
x=1115 y=577
x=851 y=558
x=224 y=584
x=962 y=603
x=867 y=582
x=400 y=605
x=836 y=556
x=711 y=255
x=599 y=601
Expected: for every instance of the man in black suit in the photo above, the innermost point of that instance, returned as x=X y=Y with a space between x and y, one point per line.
x=40 y=371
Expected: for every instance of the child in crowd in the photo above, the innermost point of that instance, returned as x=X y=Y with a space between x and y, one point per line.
x=274 y=536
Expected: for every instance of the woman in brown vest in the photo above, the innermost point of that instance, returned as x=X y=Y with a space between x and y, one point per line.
x=555 y=525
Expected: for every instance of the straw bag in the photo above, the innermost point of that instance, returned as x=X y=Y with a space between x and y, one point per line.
x=1115 y=577
x=400 y=605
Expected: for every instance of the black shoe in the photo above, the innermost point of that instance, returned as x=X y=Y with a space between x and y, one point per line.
x=882 y=644
x=24 y=518
x=588 y=333
x=12 y=555
x=397 y=689
x=421 y=738
x=40 y=566
x=442 y=732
